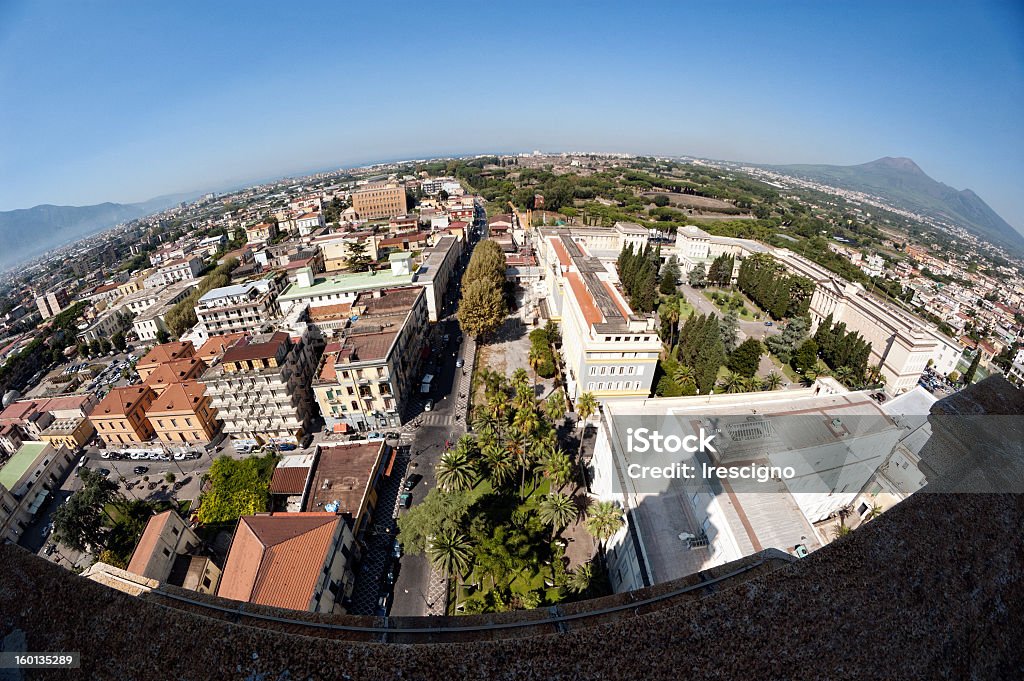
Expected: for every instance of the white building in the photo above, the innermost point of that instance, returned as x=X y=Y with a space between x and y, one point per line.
x=609 y=350
x=833 y=443
x=901 y=342
x=239 y=307
x=182 y=269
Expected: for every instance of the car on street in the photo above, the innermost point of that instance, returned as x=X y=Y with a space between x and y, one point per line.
x=412 y=481
x=140 y=470
x=769 y=324
x=429 y=406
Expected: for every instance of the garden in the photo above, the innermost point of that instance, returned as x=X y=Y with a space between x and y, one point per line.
x=506 y=497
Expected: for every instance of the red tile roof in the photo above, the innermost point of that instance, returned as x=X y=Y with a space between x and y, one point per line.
x=178 y=397
x=584 y=299
x=147 y=544
x=120 y=401
x=167 y=352
x=247 y=350
x=217 y=345
x=289 y=480
x=277 y=559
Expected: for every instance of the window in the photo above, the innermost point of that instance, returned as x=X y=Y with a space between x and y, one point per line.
x=206 y=582
x=167 y=552
x=630 y=369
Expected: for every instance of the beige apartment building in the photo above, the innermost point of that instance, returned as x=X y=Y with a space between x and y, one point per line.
x=371 y=370
x=379 y=201
x=260 y=388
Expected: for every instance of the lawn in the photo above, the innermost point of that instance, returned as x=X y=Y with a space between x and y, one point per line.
x=787 y=371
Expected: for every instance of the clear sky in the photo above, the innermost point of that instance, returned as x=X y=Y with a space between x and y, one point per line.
x=122 y=103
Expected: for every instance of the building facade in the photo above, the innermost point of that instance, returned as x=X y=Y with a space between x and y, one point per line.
x=260 y=388
x=379 y=201
x=240 y=307
x=120 y=418
x=609 y=351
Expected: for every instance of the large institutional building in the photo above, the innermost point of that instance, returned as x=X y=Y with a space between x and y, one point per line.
x=609 y=350
x=902 y=343
x=379 y=201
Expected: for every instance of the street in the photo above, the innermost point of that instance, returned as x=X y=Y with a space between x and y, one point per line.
x=418 y=589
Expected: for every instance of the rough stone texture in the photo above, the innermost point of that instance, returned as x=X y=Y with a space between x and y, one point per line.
x=933 y=589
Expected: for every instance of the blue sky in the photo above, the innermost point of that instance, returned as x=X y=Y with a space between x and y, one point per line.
x=122 y=103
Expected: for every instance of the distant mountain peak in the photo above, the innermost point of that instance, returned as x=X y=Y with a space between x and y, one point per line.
x=903 y=183
x=895 y=163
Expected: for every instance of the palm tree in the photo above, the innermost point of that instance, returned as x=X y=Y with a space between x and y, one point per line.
x=455 y=471
x=451 y=553
x=467 y=445
x=586 y=406
x=558 y=510
x=500 y=464
x=557 y=467
x=750 y=385
x=732 y=383
x=873 y=512
x=581 y=578
x=484 y=421
x=841 y=530
x=554 y=405
x=683 y=374
x=524 y=398
x=604 y=518
x=844 y=374
x=520 y=379
x=773 y=381
x=535 y=358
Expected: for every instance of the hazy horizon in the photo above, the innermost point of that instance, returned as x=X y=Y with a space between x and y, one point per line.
x=149 y=101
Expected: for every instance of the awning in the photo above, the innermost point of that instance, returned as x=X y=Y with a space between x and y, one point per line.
x=391 y=462
x=38 y=502
x=340 y=428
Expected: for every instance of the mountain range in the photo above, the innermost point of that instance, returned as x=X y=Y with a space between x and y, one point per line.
x=901 y=182
x=28 y=232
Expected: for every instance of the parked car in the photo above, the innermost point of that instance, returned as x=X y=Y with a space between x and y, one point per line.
x=180 y=456
x=375 y=436
x=405 y=499
x=287 y=447
x=412 y=481
x=769 y=324
x=429 y=406
x=396 y=549
x=104 y=472
x=459 y=363
x=140 y=470
x=107 y=454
